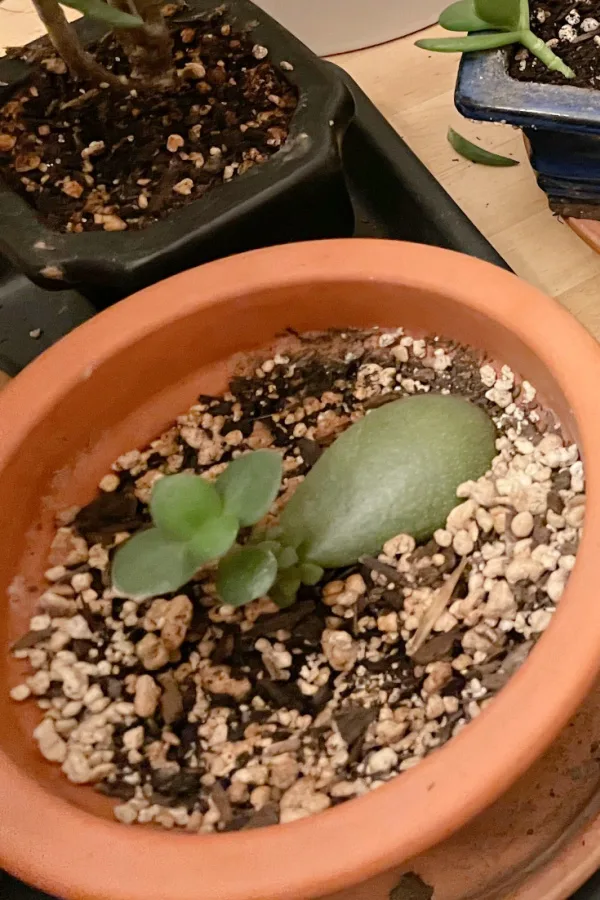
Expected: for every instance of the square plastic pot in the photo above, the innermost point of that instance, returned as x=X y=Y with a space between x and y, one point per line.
x=299 y=193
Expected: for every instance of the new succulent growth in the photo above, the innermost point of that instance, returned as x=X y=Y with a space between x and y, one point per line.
x=501 y=23
x=395 y=471
x=195 y=521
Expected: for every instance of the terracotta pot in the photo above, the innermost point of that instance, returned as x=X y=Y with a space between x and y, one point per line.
x=116 y=382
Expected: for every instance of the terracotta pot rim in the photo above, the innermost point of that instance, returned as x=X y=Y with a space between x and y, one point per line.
x=289 y=859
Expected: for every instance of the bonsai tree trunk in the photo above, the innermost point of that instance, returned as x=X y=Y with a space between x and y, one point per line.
x=81 y=64
x=149 y=49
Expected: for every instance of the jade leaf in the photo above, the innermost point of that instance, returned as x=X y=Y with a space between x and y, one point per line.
x=477 y=154
x=286 y=588
x=273 y=546
x=180 y=504
x=102 y=12
x=469 y=43
x=310 y=573
x=461 y=16
x=544 y=53
x=394 y=471
x=510 y=15
x=149 y=564
x=249 y=485
x=508 y=23
x=287 y=558
x=214 y=538
x=245 y=575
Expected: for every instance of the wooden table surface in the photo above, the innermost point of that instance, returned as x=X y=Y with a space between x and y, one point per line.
x=413 y=89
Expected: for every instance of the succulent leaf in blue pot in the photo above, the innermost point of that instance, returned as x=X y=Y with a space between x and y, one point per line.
x=561 y=118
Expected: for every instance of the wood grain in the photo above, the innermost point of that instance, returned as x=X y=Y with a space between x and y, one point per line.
x=414 y=90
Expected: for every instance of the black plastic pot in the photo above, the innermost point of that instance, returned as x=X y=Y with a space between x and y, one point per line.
x=393 y=196
x=298 y=194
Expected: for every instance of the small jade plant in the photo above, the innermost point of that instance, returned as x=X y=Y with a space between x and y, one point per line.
x=394 y=471
x=502 y=22
x=196 y=521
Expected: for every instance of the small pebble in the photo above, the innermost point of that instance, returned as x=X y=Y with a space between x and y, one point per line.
x=109 y=483
x=522 y=524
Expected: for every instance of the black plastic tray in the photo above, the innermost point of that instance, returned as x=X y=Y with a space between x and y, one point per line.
x=394 y=196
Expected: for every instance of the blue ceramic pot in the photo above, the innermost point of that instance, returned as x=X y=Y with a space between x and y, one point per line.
x=561 y=122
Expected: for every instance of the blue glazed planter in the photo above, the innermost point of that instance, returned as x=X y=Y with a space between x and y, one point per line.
x=561 y=122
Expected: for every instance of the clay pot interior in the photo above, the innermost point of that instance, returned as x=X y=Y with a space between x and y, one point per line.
x=135 y=405
x=118 y=390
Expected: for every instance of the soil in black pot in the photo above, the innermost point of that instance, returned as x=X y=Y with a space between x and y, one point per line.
x=573 y=31
x=89 y=160
x=212 y=718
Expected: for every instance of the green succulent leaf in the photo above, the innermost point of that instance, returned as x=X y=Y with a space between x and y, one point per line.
x=102 y=12
x=266 y=535
x=245 y=575
x=149 y=564
x=461 y=16
x=180 y=504
x=470 y=42
x=394 y=471
x=249 y=485
x=477 y=154
x=273 y=546
x=510 y=15
x=508 y=23
x=286 y=588
x=310 y=573
x=553 y=62
x=287 y=558
x=214 y=538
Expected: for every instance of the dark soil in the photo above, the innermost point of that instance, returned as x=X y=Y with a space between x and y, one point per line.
x=88 y=160
x=579 y=49
x=324 y=365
